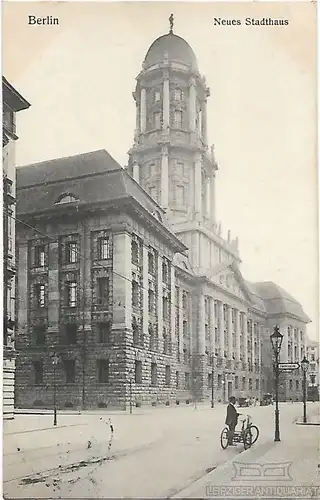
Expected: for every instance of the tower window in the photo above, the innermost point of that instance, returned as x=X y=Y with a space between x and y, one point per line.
x=177 y=95
x=71 y=294
x=157 y=96
x=177 y=119
x=157 y=120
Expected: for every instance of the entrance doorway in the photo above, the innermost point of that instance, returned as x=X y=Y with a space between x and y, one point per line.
x=229 y=390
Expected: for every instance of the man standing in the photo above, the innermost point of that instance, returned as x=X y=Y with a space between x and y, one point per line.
x=231 y=419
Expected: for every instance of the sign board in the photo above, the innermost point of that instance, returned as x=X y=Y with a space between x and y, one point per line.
x=288 y=366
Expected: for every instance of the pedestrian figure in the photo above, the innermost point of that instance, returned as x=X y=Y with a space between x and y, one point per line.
x=231 y=419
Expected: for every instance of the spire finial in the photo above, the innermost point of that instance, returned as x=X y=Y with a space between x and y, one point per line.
x=171 y=19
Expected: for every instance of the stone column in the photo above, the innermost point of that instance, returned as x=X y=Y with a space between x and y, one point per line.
x=230 y=339
x=252 y=342
x=181 y=324
x=202 y=341
x=212 y=197
x=238 y=330
x=143 y=110
x=53 y=292
x=284 y=350
x=136 y=172
x=145 y=291
x=164 y=177
x=299 y=346
x=166 y=101
x=221 y=330
x=192 y=105
x=159 y=300
x=22 y=289
x=212 y=326
x=208 y=196
x=122 y=277
x=204 y=122
x=245 y=337
x=172 y=305
x=197 y=184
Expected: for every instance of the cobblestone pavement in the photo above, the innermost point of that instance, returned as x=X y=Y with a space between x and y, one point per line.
x=149 y=454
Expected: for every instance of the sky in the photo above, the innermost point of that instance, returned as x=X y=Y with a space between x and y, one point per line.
x=79 y=78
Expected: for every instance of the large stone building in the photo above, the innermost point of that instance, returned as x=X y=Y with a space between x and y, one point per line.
x=13 y=102
x=126 y=274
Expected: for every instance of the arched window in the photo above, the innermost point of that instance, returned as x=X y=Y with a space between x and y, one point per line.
x=66 y=198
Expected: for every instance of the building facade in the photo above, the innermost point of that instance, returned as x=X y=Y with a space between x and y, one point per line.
x=160 y=313
x=13 y=102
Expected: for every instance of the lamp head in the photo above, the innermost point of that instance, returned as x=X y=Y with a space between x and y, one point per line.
x=276 y=340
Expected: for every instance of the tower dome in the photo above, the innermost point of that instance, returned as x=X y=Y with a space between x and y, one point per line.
x=172 y=46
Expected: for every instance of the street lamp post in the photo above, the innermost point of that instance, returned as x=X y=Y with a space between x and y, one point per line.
x=304 y=365
x=212 y=381
x=55 y=361
x=276 y=341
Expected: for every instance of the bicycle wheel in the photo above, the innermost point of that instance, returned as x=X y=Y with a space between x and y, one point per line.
x=247 y=439
x=224 y=438
x=255 y=433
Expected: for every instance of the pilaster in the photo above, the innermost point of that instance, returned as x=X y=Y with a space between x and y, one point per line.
x=212 y=326
x=202 y=342
x=145 y=291
x=237 y=335
x=159 y=300
x=245 y=337
x=192 y=105
x=164 y=177
x=221 y=329
x=197 y=184
x=230 y=340
x=143 y=111
x=166 y=101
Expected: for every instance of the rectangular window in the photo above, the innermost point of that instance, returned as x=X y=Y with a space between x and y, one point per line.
x=297 y=384
x=177 y=94
x=187 y=380
x=250 y=384
x=39 y=255
x=257 y=384
x=157 y=120
x=177 y=380
x=135 y=294
x=151 y=301
x=138 y=372
x=103 y=333
x=165 y=306
x=153 y=374
x=185 y=328
x=71 y=252
x=38 y=372
x=219 y=381
x=157 y=96
x=236 y=382
x=71 y=293
x=134 y=252
x=209 y=380
x=168 y=375
x=290 y=384
x=104 y=248
x=70 y=371
x=39 y=291
x=39 y=334
x=103 y=290
x=243 y=382
x=71 y=333
x=151 y=262
x=180 y=196
x=177 y=119
x=103 y=371
x=165 y=271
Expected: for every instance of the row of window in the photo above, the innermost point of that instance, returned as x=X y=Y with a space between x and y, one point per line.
x=177 y=95
x=69 y=369
x=70 y=333
x=70 y=252
x=176 y=122
x=70 y=293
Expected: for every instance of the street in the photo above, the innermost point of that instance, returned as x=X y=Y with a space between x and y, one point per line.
x=150 y=454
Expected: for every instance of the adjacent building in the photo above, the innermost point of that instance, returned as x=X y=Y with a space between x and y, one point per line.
x=125 y=274
x=313 y=370
x=12 y=102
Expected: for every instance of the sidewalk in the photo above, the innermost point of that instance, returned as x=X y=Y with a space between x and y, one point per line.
x=285 y=469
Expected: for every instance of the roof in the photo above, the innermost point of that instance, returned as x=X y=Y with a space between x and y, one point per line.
x=177 y=49
x=12 y=98
x=91 y=179
x=279 y=301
